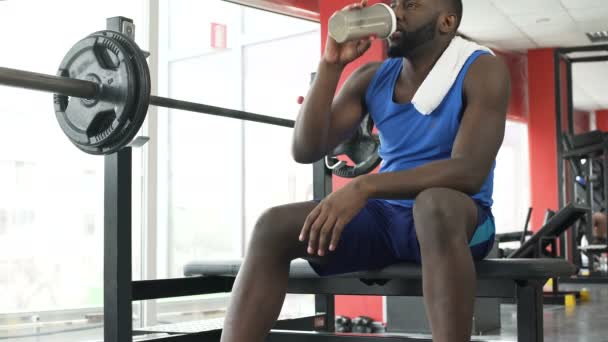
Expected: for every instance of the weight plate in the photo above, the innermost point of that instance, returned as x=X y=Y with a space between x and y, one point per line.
x=142 y=87
x=362 y=149
x=95 y=124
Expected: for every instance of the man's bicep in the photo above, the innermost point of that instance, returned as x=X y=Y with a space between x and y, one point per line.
x=348 y=108
x=481 y=132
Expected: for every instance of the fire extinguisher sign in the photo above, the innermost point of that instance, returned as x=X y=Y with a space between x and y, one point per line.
x=218 y=36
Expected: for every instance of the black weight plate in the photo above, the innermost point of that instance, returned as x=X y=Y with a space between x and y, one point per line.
x=92 y=124
x=142 y=87
x=362 y=148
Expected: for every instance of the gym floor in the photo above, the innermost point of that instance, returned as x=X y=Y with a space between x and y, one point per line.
x=586 y=322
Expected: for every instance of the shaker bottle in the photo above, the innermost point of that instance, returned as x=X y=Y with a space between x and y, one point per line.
x=378 y=20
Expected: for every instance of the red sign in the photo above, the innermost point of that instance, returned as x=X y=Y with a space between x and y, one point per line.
x=218 y=36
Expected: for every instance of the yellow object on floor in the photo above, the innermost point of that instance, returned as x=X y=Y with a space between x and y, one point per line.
x=570 y=300
x=585 y=296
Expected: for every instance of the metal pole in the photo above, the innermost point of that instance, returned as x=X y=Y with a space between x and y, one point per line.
x=48 y=83
x=558 y=130
x=593 y=59
x=569 y=97
x=219 y=111
x=118 y=275
x=570 y=238
x=557 y=58
x=118 y=314
x=86 y=89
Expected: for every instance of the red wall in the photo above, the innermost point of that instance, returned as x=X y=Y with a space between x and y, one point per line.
x=601 y=117
x=581 y=122
x=309 y=5
x=518 y=68
x=541 y=133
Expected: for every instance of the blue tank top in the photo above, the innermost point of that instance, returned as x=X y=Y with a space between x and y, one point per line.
x=410 y=139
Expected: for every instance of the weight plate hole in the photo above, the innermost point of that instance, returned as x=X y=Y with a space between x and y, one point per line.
x=107 y=58
x=101 y=124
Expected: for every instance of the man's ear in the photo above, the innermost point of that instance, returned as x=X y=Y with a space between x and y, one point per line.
x=448 y=23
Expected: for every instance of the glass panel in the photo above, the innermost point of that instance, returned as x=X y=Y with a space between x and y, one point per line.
x=512 y=180
x=205 y=165
x=271 y=176
x=51 y=203
x=211 y=168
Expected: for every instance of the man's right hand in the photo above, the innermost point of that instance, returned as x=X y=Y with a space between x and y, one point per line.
x=342 y=54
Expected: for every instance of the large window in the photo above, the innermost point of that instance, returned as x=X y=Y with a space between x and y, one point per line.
x=272 y=84
x=512 y=180
x=206 y=175
x=217 y=175
x=51 y=197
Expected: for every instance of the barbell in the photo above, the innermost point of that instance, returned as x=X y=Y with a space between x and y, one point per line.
x=102 y=93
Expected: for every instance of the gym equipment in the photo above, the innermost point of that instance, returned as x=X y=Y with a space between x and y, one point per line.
x=588 y=182
x=536 y=245
x=343 y=324
x=521 y=279
x=378 y=328
x=586 y=155
x=106 y=122
x=362 y=148
x=513 y=236
x=556 y=223
x=102 y=94
x=362 y=324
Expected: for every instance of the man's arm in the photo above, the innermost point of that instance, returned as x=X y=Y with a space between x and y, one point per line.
x=487 y=91
x=324 y=120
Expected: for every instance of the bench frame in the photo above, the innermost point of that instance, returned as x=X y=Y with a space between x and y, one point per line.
x=527 y=292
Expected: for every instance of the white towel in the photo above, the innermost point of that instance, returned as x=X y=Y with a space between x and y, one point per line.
x=443 y=75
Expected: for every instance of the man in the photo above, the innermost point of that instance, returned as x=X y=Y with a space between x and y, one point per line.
x=430 y=202
x=599 y=228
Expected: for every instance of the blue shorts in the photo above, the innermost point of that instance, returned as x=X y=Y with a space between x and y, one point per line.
x=382 y=234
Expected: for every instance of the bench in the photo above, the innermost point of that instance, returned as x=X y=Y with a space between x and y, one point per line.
x=521 y=279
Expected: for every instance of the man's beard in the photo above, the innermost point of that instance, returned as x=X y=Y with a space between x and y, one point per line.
x=410 y=41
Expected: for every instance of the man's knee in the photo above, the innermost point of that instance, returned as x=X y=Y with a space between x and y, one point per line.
x=439 y=218
x=273 y=231
x=269 y=225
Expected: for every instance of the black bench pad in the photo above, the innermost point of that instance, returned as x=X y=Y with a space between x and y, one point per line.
x=516 y=269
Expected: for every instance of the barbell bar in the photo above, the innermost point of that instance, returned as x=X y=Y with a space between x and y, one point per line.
x=89 y=90
x=102 y=93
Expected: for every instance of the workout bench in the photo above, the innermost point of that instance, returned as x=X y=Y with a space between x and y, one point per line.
x=522 y=279
x=516 y=278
